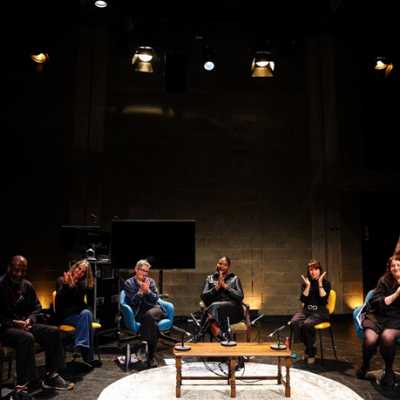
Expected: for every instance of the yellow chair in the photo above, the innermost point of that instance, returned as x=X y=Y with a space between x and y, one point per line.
x=70 y=329
x=327 y=325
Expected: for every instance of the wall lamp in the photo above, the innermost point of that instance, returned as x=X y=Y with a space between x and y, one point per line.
x=143 y=60
x=263 y=65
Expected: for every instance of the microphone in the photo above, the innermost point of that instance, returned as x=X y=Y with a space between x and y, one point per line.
x=281 y=328
x=278 y=345
x=228 y=341
x=182 y=346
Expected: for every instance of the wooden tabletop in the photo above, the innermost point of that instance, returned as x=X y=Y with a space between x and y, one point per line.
x=215 y=349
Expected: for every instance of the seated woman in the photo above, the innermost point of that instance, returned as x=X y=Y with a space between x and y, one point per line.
x=142 y=295
x=314 y=296
x=71 y=307
x=382 y=322
x=223 y=295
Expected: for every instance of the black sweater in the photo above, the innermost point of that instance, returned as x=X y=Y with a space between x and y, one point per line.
x=314 y=298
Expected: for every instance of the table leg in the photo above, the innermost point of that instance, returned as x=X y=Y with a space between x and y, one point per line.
x=232 y=364
x=178 y=363
x=279 y=370
x=287 y=383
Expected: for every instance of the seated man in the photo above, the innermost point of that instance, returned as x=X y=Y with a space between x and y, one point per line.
x=142 y=296
x=223 y=296
x=19 y=309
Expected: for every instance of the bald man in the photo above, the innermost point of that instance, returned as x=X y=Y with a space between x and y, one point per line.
x=19 y=329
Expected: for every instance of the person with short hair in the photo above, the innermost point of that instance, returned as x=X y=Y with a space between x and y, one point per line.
x=314 y=295
x=20 y=311
x=71 y=307
x=223 y=296
x=381 y=323
x=142 y=295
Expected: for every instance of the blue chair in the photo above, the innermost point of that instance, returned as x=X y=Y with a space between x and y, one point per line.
x=357 y=316
x=133 y=326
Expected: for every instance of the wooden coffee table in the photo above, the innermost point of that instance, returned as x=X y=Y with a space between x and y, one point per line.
x=232 y=353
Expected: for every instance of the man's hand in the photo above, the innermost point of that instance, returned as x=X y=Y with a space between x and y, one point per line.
x=24 y=325
x=145 y=286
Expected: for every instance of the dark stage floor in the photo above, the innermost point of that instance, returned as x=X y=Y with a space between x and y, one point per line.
x=89 y=384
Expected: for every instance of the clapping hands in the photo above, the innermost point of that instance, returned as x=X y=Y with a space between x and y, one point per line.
x=68 y=279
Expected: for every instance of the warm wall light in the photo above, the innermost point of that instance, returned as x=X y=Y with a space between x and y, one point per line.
x=143 y=59
x=382 y=64
x=263 y=65
x=40 y=59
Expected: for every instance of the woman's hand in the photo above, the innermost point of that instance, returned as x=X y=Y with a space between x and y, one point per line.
x=321 y=278
x=306 y=281
x=68 y=279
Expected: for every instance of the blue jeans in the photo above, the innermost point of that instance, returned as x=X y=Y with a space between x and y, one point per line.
x=84 y=332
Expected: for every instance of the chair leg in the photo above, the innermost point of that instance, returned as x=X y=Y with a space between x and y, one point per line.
x=321 y=347
x=290 y=337
x=333 y=342
x=127 y=356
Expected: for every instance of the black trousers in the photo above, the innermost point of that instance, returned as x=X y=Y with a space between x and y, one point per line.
x=220 y=311
x=23 y=342
x=302 y=325
x=149 y=326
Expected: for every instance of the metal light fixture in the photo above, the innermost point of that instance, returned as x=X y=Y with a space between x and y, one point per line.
x=40 y=59
x=101 y=3
x=208 y=59
x=383 y=64
x=144 y=59
x=263 y=65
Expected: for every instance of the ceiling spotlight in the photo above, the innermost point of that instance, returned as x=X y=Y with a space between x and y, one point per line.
x=263 y=65
x=40 y=59
x=382 y=64
x=208 y=59
x=143 y=59
x=101 y=3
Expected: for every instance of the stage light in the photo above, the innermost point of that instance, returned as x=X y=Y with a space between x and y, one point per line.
x=143 y=59
x=101 y=3
x=208 y=59
x=263 y=65
x=383 y=64
x=40 y=59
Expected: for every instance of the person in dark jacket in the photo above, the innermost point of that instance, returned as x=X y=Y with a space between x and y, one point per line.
x=314 y=295
x=71 y=307
x=382 y=322
x=20 y=326
x=222 y=295
x=142 y=295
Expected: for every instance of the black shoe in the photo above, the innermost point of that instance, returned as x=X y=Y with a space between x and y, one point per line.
x=93 y=363
x=388 y=379
x=56 y=382
x=361 y=373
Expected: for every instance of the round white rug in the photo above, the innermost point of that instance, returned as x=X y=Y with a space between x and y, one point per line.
x=159 y=384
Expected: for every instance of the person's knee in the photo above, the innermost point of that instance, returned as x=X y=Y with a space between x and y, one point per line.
x=26 y=339
x=86 y=314
x=387 y=339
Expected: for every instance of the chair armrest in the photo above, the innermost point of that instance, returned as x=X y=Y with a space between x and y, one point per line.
x=169 y=308
x=129 y=318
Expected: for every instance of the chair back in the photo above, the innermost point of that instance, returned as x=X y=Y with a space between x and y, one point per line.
x=357 y=320
x=331 y=302
x=130 y=322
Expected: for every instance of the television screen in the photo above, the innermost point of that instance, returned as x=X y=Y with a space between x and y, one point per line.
x=166 y=244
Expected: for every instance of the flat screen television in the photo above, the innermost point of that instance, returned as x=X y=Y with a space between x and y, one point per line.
x=166 y=244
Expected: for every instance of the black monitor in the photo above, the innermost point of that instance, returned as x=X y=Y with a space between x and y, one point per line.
x=166 y=244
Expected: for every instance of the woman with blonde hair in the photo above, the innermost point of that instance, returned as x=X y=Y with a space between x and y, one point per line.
x=71 y=307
